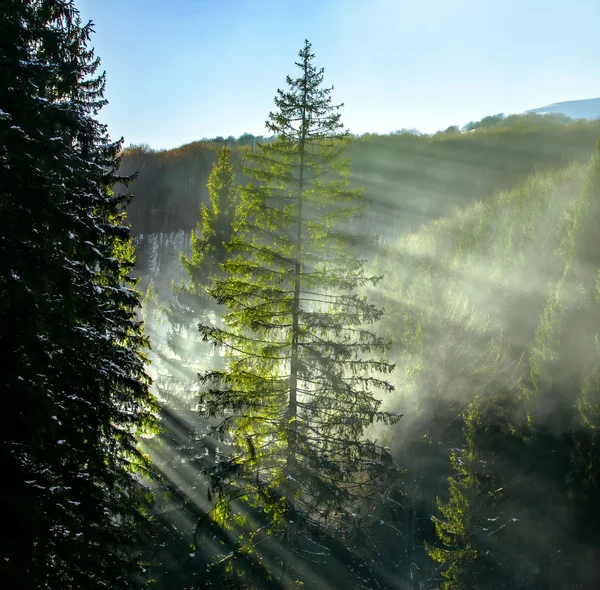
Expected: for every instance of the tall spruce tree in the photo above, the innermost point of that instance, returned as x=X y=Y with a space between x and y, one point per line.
x=75 y=389
x=192 y=302
x=299 y=390
x=183 y=450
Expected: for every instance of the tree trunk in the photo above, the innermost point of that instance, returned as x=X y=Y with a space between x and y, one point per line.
x=292 y=405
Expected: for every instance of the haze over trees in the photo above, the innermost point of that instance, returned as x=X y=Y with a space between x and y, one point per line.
x=490 y=315
x=267 y=450
x=408 y=179
x=474 y=301
x=298 y=390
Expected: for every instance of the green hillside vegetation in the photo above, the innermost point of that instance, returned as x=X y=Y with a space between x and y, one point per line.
x=423 y=175
x=311 y=361
x=408 y=178
x=492 y=311
x=494 y=314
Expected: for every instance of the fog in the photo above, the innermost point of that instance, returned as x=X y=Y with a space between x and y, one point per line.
x=489 y=312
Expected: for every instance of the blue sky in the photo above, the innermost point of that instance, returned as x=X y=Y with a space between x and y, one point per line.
x=180 y=70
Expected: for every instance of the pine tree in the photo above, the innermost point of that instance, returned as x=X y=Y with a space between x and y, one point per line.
x=298 y=393
x=76 y=393
x=485 y=502
x=192 y=303
x=456 y=530
x=183 y=450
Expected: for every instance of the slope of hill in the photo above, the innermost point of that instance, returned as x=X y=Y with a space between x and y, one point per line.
x=588 y=108
x=494 y=318
x=409 y=178
x=492 y=296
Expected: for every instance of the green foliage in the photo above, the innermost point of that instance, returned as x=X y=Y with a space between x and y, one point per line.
x=215 y=230
x=74 y=351
x=192 y=303
x=298 y=392
x=495 y=310
x=455 y=531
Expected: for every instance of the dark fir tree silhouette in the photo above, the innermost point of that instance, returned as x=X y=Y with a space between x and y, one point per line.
x=75 y=389
x=299 y=388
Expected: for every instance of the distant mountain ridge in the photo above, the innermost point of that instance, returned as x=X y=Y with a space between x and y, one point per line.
x=588 y=108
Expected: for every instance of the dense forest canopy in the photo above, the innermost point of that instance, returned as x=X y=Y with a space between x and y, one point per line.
x=309 y=359
x=405 y=166
x=408 y=178
x=490 y=308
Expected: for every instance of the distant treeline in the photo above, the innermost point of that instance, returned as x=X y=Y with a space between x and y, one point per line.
x=409 y=177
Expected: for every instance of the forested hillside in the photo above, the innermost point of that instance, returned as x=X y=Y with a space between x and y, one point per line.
x=304 y=360
x=492 y=314
x=408 y=178
x=494 y=318
x=486 y=248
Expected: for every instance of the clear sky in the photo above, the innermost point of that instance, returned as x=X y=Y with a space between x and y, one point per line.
x=180 y=70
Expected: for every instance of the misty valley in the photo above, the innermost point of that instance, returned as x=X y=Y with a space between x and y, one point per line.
x=490 y=292
x=305 y=359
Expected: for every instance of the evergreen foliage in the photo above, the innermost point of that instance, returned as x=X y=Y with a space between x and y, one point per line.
x=493 y=322
x=497 y=311
x=76 y=392
x=184 y=450
x=192 y=303
x=492 y=314
x=298 y=393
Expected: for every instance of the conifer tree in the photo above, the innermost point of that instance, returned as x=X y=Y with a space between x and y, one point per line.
x=75 y=390
x=183 y=450
x=192 y=303
x=299 y=390
x=455 y=530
